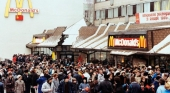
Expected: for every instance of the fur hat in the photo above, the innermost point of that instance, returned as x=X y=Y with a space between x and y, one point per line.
x=18 y=76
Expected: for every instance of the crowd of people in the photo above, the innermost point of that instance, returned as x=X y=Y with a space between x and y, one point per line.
x=41 y=74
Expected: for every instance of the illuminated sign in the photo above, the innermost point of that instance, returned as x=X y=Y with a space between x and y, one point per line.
x=19 y=10
x=38 y=40
x=127 y=42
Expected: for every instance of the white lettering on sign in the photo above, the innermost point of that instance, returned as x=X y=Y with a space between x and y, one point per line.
x=16 y=10
x=134 y=42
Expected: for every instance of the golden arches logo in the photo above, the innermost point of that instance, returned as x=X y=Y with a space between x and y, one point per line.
x=19 y=4
x=142 y=42
x=111 y=41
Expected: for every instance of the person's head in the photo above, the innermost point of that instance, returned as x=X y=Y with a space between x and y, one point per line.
x=101 y=71
x=26 y=72
x=55 y=75
x=167 y=84
x=10 y=74
x=161 y=81
x=84 y=80
x=19 y=77
x=132 y=79
x=49 y=80
x=74 y=80
x=66 y=78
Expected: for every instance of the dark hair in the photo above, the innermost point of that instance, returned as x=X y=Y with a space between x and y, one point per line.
x=49 y=79
x=132 y=79
x=162 y=81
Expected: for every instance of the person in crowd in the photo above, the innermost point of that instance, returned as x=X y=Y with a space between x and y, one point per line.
x=46 y=74
x=157 y=73
x=10 y=83
x=55 y=83
x=46 y=87
x=75 y=85
x=65 y=86
x=86 y=74
x=167 y=86
x=100 y=76
x=134 y=87
x=77 y=76
x=1 y=85
x=40 y=82
x=34 y=78
x=106 y=86
x=161 y=87
x=156 y=83
x=83 y=87
x=19 y=85
x=27 y=80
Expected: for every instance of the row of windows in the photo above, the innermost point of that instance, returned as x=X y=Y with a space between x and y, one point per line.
x=131 y=10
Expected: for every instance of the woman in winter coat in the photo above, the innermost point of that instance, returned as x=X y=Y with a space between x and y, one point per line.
x=40 y=82
x=84 y=87
x=55 y=83
x=19 y=85
x=10 y=83
x=46 y=87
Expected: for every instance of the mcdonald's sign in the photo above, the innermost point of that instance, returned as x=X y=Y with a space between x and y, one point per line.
x=19 y=10
x=139 y=42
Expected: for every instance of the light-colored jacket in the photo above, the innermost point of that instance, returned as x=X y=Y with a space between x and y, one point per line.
x=54 y=85
x=46 y=88
x=19 y=86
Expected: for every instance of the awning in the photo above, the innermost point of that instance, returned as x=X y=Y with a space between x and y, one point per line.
x=123 y=52
x=165 y=50
x=161 y=47
x=73 y=32
x=52 y=41
x=31 y=45
x=70 y=39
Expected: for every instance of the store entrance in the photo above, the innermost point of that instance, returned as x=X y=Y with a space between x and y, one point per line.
x=68 y=56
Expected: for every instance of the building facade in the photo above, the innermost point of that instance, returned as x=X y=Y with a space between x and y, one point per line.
x=115 y=11
x=16 y=31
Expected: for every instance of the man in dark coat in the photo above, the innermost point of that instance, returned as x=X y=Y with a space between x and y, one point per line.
x=27 y=80
x=1 y=85
x=106 y=86
x=65 y=86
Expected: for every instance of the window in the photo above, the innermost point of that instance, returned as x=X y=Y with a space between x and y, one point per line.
x=164 y=5
x=119 y=11
x=129 y=10
x=157 y=6
x=98 y=14
x=140 y=8
x=134 y=9
x=115 y=12
x=147 y=7
x=123 y=10
x=103 y=14
x=151 y=6
x=86 y=14
x=110 y=13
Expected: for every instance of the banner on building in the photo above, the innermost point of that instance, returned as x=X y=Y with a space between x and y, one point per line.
x=152 y=17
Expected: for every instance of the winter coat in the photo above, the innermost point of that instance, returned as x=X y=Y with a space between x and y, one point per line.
x=61 y=87
x=46 y=88
x=10 y=85
x=27 y=81
x=1 y=87
x=40 y=82
x=82 y=86
x=19 y=86
x=54 y=85
x=134 y=87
